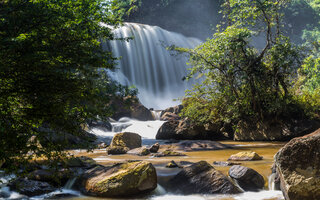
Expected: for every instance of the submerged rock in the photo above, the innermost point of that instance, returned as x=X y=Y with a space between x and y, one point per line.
x=126 y=139
x=247 y=178
x=31 y=187
x=245 y=156
x=125 y=179
x=298 y=165
x=202 y=178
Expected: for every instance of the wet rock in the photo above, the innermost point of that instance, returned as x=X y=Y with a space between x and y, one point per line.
x=168 y=153
x=126 y=139
x=154 y=148
x=201 y=178
x=4 y=195
x=117 y=150
x=168 y=116
x=245 y=156
x=142 y=151
x=298 y=165
x=56 y=178
x=125 y=179
x=31 y=187
x=172 y=164
x=224 y=164
x=247 y=178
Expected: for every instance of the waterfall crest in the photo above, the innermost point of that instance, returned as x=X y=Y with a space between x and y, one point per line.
x=146 y=63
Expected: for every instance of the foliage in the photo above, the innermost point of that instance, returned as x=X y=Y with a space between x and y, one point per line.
x=239 y=80
x=308 y=83
x=51 y=72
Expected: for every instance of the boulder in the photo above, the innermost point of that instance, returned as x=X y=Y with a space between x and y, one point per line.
x=126 y=139
x=142 y=151
x=168 y=116
x=31 y=187
x=167 y=130
x=298 y=165
x=274 y=129
x=154 y=148
x=245 y=156
x=117 y=150
x=202 y=178
x=127 y=179
x=130 y=107
x=247 y=178
x=168 y=153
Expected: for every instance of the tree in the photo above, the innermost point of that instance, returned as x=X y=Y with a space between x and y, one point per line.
x=51 y=73
x=240 y=81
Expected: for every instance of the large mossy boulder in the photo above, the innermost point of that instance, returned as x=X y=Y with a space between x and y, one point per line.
x=201 y=178
x=247 y=178
x=127 y=179
x=298 y=165
x=117 y=150
x=126 y=139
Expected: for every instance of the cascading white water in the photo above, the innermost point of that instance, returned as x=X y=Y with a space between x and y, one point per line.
x=147 y=64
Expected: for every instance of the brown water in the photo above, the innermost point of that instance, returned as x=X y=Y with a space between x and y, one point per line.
x=265 y=149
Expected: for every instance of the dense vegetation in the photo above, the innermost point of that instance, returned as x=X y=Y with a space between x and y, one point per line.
x=241 y=82
x=51 y=77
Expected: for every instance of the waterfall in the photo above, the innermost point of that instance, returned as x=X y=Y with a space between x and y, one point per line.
x=271 y=183
x=146 y=64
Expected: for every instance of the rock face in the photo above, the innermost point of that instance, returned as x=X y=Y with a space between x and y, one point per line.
x=126 y=139
x=167 y=130
x=31 y=187
x=298 y=165
x=202 y=178
x=274 y=130
x=245 y=156
x=247 y=178
x=126 y=179
x=130 y=107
